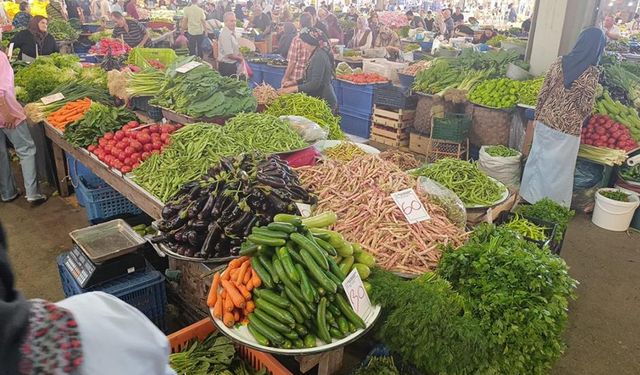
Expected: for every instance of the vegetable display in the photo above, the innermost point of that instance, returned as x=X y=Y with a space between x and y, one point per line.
x=44 y=74
x=300 y=302
x=501 y=151
x=619 y=78
x=147 y=82
x=620 y=113
x=211 y=216
x=202 y=92
x=608 y=156
x=62 y=31
x=98 y=120
x=602 y=131
x=529 y=91
x=216 y=354
x=314 y=109
x=265 y=94
x=465 y=179
x=496 y=41
x=359 y=192
x=616 y=195
x=114 y=47
x=416 y=67
x=70 y=112
x=403 y=160
x=549 y=211
x=126 y=148
x=630 y=173
x=345 y=151
x=363 y=78
x=496 y=93
x=235 y=303
x=526 y=228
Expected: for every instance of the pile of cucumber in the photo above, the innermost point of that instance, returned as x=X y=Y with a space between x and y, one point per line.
x=301 y=298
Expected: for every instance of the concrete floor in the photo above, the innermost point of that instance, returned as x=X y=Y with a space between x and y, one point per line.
x=603 y=336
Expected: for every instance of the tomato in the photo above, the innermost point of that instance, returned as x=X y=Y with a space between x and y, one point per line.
x=127 y=161
x=143 y=137
x=136 y=165
x=600 y=131
x=102 y=142
x=166 y=128
x=164 y=137
x=91 y=148
x=135 y=156
x=137 y=146
x=154 y=128
x=148 y=147
x=125 y=169
x=128 y=151
x=157 y=145
x=133 y=124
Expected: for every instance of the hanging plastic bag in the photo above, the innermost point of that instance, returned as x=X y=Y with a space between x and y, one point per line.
x=587 y=179
x=307 y=129
x=445 y=198
x=506 y=169
x=244 y=69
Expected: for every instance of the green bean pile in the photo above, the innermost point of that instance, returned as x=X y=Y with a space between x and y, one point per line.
x=526 y=228
x=314 y=109
x=464 y=178
x=501 y=151
x=196 y=147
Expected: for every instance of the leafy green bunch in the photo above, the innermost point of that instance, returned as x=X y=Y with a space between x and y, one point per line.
x=44 y=74
x=549 y=211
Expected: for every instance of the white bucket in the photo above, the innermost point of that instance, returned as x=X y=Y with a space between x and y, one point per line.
x=614 y=215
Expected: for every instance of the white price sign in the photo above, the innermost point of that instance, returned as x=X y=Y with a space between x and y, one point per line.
x=188 y=66
x=305 y=209
x=52 y=98
x=356 y=294
x=410 y=205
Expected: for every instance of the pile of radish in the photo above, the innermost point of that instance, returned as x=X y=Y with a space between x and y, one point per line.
x=125 y=149
x=602 y=131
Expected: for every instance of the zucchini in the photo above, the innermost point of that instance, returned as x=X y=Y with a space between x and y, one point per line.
x=272 y=322
x=287 y=218
x=260 y=338
x=323 y=220
x=317 y=272
x=264 y=240
x=287 y=264
x=265 y=330
x=314 y=250
x=281 y=315
x=272 y=297
x=282 y=227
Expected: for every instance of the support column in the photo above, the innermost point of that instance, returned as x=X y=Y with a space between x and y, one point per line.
x=557 y=26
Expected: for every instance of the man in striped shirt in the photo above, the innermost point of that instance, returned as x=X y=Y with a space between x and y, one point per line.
x=131 y=31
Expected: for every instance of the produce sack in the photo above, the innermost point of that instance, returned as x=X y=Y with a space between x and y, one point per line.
x=307 y=129
x=587 y=179
x=504 y=169
x=445 y=198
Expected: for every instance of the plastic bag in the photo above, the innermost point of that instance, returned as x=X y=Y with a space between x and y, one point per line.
x=504 y=169
x=587 y=179
x=244 y=70
x=445 y=198
x=307 y=129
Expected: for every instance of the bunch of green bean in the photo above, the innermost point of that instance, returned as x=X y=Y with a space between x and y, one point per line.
x=314 y=109
x=196 y=147
x=501 y=151
x=464 y=178
x=527 y=229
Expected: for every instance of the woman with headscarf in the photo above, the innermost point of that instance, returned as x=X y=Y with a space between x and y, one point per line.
x=390 y=40
x=374 y=25
x=288 y=33
x=363 y=37
x=319 y=72
x=565 y=101
x=35 y=40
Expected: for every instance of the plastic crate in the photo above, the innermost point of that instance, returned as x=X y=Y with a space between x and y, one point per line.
x=337 y=88
x=406 y=80
x=381 y=350
x=550 y=231
x=143 y=290
x=426 y=46
x=358 y=98
x=453 y=127
x=180 y=341
x=355 y=123
x=101 y=200
x=77 y=170
x=530 y=114
x=394 y=97
x=258 y=73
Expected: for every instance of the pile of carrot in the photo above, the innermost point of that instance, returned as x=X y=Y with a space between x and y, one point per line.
x=69 y=113
x=234 y=302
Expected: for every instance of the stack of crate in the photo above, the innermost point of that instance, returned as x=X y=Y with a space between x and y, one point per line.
x=390 y=126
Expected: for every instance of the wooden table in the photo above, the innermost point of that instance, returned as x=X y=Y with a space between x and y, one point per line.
x=138 y=196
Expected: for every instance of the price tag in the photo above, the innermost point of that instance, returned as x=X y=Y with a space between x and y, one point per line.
x=305 y=209
x=52 y=98
x=410 y=205
x=356 y=294
x=188 y=66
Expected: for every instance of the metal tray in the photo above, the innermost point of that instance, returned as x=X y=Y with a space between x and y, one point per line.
x=163 y=247
x=107 y=240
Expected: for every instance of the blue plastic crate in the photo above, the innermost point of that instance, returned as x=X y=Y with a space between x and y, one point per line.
x=406 y=80
x=273 y=76
x=77 y=170
x=337 y=87
x=258 y=73
x=102 y=201
x=530 y=114
x=355 y=123
x=142 y=290
x=358 y=98
x=79 y=47
x=426 y=46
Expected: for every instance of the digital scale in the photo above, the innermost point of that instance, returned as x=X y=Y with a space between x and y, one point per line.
x=104 y=252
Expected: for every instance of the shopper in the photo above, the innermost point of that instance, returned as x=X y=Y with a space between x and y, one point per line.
x=319 y=72
x=331 y=24
x=512 y=15
x=56 y=11
x=228 y=49
x=73 y=10
x=611 y=30
x=35 y=40
x=448 y=23
x=22 y=18
x=261 y=22
x=13 y=127
x=131 y=31
x=88 y=334
x=131 y=9
x=414 y=20
x=388 y=39
x=457 y=17
x=298 y=55
x=429 y=21
x=565 y=101
x=316 y=22
x=239 y=13
x=374 y=25
x=289 y=32
x=362 y=38
x=194 y=21
x=352 y=15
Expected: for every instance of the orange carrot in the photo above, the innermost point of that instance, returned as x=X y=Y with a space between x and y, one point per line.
x=249 y=285
x=213 y=292
x=228 y=304
x=233 y=293
x=224 y=293
x=243 y=270
x=238 y=262
x=256 y=280
x=234 y=274
x=226 y=275
x=236 y=315
x=250 y=306
x=243 y=290
x=217 y=309
x=228 y=319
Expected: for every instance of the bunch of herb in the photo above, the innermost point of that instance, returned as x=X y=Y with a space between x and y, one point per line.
x=549 y=211
x=378 y=366
x=44 y=74
x=99 y=119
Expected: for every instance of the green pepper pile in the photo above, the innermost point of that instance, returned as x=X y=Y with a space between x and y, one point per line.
x=301 y=297
x=630 y=173
x=529 y=91
x=616 y=195
x=314 y=109
x=501 y=151
x=496 y=93
x=526 y=228
x=464 y=178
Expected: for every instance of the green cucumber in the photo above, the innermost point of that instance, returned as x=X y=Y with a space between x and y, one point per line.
x=263 y=274
x=264 y=240
x=309 y=341
x=326 y=246
x=336 y=270
x=298 y=343
x=336 y=333
x=323 y=220
x=317 y=272
x=302 y=331
x=277 y=265
x=282 y=227
x=272 y=297
x=365 y=258
x=344 y=325
x=314 y=250
x=287 y=218
x=298 y=302
x=281 y=315
x=263 y=231
x=260 y=338
x=305 y=284
x=348 y=312
x=272 y=322
x=287 y=264
x=297 y=315
x=266 y=263
x=271 y=334
x=250 y=249
x=321 y=321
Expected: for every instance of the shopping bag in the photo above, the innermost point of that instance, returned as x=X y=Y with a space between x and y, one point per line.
x=244 y=69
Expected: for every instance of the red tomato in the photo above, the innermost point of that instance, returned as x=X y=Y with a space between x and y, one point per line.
x=143 y=137
x=133 y=124
x=92 y=148
x=127 y=161
x=166 y=128
x=164 y=137
x=136 y=165
x=137 y=146
x=135 y=156
x=128 y=151
x=125 y=169
x=148 y=147
x=157 y=145
x=145 y=155
x=102 y=142
x=154 y=128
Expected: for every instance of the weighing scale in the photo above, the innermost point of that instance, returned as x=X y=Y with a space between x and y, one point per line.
x=104 y=252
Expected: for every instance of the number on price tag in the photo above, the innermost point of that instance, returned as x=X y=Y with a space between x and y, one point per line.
x=305 y=209
x=188 y=66
x=52 y=98
x=411 y=206
x=356 y=294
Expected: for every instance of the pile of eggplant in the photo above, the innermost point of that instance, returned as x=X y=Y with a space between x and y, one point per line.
x=210 y=217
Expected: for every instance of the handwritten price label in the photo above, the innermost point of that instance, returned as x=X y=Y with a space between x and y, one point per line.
x=356 y=294
x=188 y=66
x=52 y=98
x=411 y=206
x=305 y=209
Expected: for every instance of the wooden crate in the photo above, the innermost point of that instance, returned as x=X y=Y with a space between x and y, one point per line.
x=389 y=132
x=440 y=149
x=194 y=282
x=418 y=143
x=397 y=143
x=396 y=118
